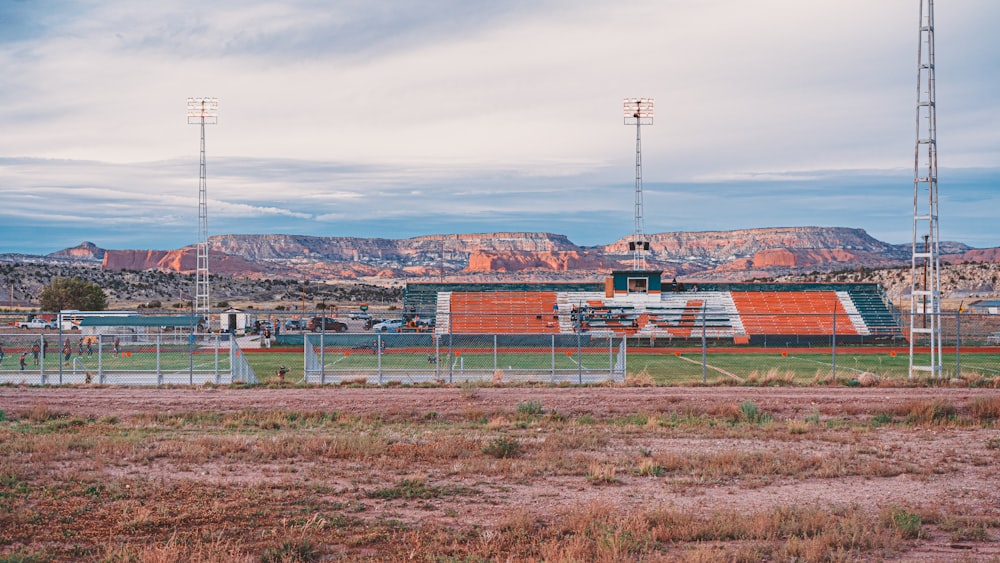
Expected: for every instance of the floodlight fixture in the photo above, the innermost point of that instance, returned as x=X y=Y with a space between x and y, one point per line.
x=638 y=111
x=203 y=110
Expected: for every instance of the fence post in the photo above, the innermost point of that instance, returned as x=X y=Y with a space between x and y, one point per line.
x=191 y=341
x=305 y=356
x=322 y=348
x=611 y=356
x=495 y=353
x=100 y=359
x=437 y=355
x=834 y=339
x=41 y=365
x=579 y=359
x=704 y=345
x=378 y=353
x=218 y=341
x=159 y=372
x=552 y=348
x=958 y=343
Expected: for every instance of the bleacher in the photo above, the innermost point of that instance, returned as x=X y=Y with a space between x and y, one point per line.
x=717 y=310
x=878 y=318
x=792 y=312
x=503 y=312
x=682 y=315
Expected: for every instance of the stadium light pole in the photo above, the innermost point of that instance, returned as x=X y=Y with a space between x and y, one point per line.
x=638 y=111
x=926 y=293
x=202 y=111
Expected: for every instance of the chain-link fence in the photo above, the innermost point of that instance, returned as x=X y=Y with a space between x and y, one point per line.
x=970 y=342
x=686 y=346
x=450 y=358
x=122 y=358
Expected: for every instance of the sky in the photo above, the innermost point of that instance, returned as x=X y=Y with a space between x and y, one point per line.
x=403 y=118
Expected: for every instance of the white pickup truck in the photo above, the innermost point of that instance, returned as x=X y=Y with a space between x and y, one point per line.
x=37 y=323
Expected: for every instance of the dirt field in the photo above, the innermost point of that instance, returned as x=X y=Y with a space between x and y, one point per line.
x=496 y=473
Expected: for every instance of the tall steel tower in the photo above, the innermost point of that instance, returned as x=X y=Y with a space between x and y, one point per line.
x=202 y=111
x=638 y=111
x=925 y=264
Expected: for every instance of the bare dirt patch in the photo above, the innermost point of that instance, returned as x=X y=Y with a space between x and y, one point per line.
x=692 y=473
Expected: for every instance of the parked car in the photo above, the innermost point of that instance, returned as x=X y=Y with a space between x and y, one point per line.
x=389 y=325
x=359 y=316
x=295 y=324
x=326 y=324
x=38 y=323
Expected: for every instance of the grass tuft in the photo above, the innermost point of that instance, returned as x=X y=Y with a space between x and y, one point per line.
x=752 y=414
x=301 y=550
x=927 y=411
x=986 y=409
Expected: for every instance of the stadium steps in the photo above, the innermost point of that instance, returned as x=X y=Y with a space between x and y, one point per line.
x=852 y=313
x=442 y=323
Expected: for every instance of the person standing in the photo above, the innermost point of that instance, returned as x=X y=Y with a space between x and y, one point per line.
x=67 y=353
x=24 y=360
x=1 y=353
x=117 y=347
x=35 y=349
x=90 y=347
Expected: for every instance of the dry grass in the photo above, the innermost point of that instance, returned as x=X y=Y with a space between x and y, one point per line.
x=472 y=485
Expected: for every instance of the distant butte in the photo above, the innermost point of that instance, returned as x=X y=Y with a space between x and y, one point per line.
x=720 y=255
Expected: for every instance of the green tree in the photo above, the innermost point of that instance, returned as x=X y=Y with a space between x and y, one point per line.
x=73 y=293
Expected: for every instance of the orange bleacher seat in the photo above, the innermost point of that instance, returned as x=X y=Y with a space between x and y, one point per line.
x=791 y=312
x=503 y=312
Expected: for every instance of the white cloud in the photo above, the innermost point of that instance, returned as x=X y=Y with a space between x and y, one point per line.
x=487 y=109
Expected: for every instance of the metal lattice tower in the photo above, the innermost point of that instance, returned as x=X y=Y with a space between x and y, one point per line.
x=202 y=111
x=925 y=264
x=638 y=111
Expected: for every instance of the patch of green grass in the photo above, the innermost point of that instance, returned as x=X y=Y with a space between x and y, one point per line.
x=11 y=485
x=880 y=419
x=416 y=489
x=636 y=419
x=301 y=550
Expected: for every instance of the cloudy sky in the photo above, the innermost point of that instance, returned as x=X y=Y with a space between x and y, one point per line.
x=401 y=118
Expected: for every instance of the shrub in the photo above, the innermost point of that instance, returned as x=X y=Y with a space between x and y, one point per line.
x=503 y=447
x=532 y=408
x=752 y=414
x=906 y=523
